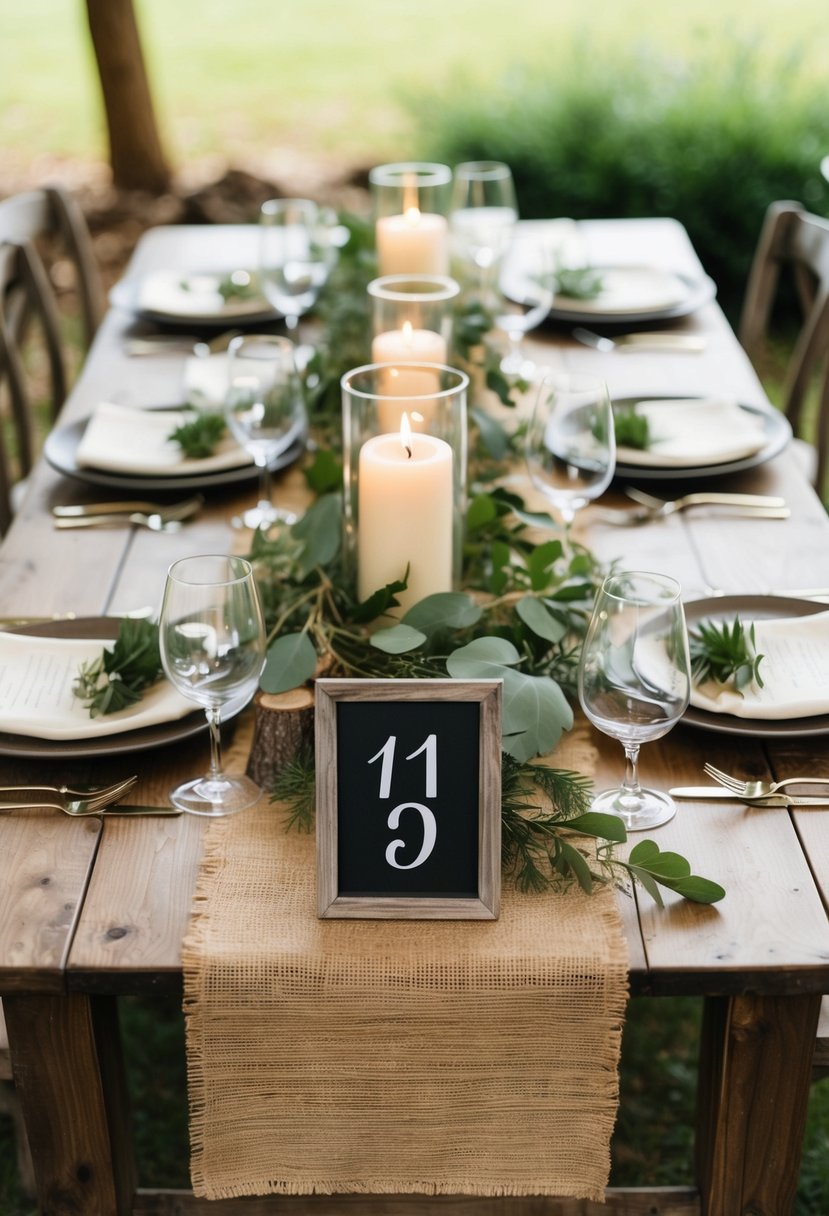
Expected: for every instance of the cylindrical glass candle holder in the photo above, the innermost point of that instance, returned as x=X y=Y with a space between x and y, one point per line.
x=404 y=459
x=411 y=201
x=412 y=318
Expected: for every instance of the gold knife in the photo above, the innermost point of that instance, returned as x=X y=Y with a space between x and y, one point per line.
x=719 y=793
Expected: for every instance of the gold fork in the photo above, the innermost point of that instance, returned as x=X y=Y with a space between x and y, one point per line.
x=758 y=789
x=107 y=792
x=95 y=805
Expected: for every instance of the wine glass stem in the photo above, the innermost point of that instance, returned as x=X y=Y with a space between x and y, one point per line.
x=630 y=784
x=213 y=722
x=264 y=503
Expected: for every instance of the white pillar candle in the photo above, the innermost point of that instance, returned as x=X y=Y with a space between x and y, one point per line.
x=402 y=383
x=415 y=242
x=404 y=516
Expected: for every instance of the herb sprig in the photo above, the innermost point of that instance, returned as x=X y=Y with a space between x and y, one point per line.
x=579 y=282
x=632 y=429
x=119 y=677
x=725 y=653
x=200 y=434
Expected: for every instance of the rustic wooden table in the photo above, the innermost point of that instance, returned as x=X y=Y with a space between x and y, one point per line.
x=91 y=911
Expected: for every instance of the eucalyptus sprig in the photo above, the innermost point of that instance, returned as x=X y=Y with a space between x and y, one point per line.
x=119 y=677
x=632 y=429
x=579 y=282
x=725 y=653
x=200 y=434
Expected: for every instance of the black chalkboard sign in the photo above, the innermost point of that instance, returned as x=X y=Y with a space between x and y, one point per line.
x=408 y=798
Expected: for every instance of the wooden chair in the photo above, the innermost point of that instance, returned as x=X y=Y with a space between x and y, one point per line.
x=32 y=226
x=798 y=241
x=9 y=1104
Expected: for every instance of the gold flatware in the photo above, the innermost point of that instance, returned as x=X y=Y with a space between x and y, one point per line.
x=82 y=808
x=165 y=520
x=718 y=793
x=757 y=788
x=703 y=498
x=78 y=510
x=111 y=792
x=687 y=343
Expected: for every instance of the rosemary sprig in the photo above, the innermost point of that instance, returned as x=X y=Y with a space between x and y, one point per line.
x=632 y=429
x=295 y=787
x=199 y=436
x=119 y=677
x=725 y=653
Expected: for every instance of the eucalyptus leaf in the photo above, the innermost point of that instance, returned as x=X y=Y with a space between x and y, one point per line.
x=667 y=866
x=486 y=650
x=642 y=852
x=541 y=561
x=699 y=890
x=578 y=865
x=320 y=530
x=290 y=662
x=537 y=618
x=482 y=510
x=325 y=473
x=493 y=436
x=398 y=639
x=444 y=610
x=535 y=519
x=534 y=714
x=648 y=883
x=595 y=823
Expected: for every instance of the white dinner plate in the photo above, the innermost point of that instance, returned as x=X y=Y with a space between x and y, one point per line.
x=189 y=298
x=749 y=608
x=61 y=446
x=776 y=426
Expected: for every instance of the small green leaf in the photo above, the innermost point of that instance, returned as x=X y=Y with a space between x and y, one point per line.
x=380 y=601
x=667 y=867
x=445 y=610
x=642 y=852
x=535 y=519
x=648 y=883
x=541 y=561
x=325 y=473
x=290 y=662
x=321 y=531
x=604 y=827
x=481 y=511
x=483 y=650
x=699 y=890
x=578 y=865
x=398 y=639
x=537 y=618
x=493 y=436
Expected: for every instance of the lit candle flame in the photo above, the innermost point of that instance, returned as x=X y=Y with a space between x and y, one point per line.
x=408 y=334
x=412 y=216
x=406 y=434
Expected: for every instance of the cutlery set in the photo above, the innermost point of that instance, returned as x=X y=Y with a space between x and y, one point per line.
x=158 y=517
x=82 y=801
x=756 y=506
x=752 y=792
x=688 y=343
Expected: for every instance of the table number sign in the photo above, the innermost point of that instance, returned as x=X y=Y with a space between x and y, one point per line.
x=408 y=799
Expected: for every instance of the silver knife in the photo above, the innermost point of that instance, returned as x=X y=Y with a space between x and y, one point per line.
x=718 y=793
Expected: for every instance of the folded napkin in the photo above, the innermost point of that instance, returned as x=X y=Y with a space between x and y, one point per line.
x=36 y=677
x=123 y=439
x=794 y=670
x=175 y=294
x=627 y=289
x=205 y=380
x=695 y=431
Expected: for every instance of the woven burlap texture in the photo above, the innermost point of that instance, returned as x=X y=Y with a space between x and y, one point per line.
x=476 y=1058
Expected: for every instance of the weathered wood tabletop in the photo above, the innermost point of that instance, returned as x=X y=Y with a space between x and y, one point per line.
x=89 y=911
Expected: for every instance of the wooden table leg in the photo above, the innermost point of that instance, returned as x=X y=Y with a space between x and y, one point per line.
x=68 y=1071
x=754 y=1076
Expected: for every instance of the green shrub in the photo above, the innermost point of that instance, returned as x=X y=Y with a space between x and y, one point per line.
x=710 y=143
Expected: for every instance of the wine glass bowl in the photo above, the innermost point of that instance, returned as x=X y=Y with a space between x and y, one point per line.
x=212 y=644
x=634 y=682
x=570 y=443
x=265 y=411
x=483 y=213
x=526 y=290
x=296 y=255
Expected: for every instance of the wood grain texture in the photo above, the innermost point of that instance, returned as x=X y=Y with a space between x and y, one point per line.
x=645 y=1201
x=754 y=1090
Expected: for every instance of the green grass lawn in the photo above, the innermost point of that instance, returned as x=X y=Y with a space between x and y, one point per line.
x=340 y=80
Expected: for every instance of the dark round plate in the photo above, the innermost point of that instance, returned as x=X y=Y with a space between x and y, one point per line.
x=753 y=607
x=61 y=447
x=776 y=426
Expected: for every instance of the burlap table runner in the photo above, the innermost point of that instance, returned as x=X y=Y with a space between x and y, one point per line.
x=476 y=1058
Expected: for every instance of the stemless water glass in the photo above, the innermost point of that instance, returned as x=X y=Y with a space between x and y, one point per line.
x=635 y=681
x=570 y=445
x=482 y=216
x=265 y=410
x=212 y=641
x=296 y=254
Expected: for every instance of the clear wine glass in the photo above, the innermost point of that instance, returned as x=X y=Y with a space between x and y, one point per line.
x=297 y=252
x=570 y=444
x=212 y=641
x=483 y=213
x=634 y=682
x=526 y=291
x=265 y=410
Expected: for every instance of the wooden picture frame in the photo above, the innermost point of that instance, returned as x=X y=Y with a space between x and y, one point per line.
x=443 y=782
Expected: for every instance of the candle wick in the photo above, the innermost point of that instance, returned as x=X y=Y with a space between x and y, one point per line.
x=408 y=448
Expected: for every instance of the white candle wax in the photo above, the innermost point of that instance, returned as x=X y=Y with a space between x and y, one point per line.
x=406 y=384
x=405 y=516
x=416 y=242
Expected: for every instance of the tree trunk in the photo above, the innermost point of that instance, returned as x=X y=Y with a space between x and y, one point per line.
x=135 y=152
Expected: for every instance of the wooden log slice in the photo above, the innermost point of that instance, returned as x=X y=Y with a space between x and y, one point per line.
x=283 y=725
